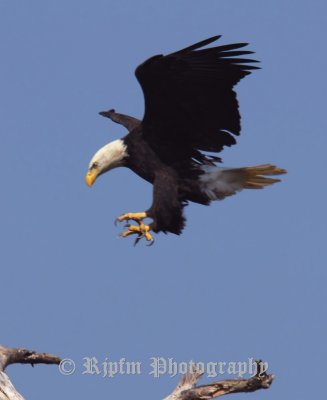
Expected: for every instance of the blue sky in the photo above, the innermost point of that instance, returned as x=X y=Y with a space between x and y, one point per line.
x=246 y=279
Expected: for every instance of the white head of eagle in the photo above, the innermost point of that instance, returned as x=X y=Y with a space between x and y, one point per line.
x=191 y=110
x=108 y=157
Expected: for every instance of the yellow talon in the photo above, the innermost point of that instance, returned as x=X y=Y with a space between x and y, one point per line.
x=146 y=234
x=141 y=230
x=137 y=217
x=131 y=230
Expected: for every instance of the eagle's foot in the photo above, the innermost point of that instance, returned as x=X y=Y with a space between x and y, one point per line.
x=142 y=231
x=137 y=217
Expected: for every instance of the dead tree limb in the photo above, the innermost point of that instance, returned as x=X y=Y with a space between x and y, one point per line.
x=21 y=356
x=187 y=389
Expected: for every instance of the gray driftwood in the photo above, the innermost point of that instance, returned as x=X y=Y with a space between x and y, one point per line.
x=21 y=356
x=185 y=390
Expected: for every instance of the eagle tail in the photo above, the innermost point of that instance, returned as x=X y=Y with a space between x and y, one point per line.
x=218 y=183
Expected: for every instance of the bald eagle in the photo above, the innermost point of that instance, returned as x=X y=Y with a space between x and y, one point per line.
x=190 y=110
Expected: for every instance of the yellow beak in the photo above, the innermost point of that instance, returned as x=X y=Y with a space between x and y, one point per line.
x=91 y=176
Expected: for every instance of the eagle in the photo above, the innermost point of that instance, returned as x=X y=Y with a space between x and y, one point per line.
x=191 y=113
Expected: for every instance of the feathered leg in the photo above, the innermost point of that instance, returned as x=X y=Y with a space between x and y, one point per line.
x=166 y=210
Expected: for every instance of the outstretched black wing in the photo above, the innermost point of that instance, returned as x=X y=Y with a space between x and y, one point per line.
x=189 y=102
x=128 y=122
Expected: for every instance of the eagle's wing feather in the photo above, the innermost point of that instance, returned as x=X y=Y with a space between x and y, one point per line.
x=190 y=105
x=127 y=121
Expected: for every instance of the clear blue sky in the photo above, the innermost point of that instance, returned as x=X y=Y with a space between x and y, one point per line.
x=246 y=279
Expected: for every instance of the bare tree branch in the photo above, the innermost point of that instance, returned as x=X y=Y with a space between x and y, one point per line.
x=22 y=356
x=187 y=389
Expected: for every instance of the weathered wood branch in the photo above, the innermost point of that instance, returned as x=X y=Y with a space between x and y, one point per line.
x=21 y=356
x=187 y=389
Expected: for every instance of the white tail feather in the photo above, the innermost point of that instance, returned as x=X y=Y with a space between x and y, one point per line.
x=217 y=182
